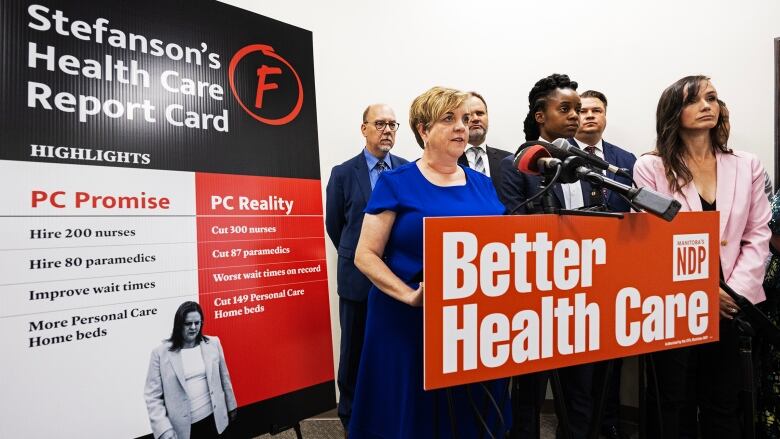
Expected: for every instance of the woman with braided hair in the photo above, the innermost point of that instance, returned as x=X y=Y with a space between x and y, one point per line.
x=553 y=113
x=553 y=109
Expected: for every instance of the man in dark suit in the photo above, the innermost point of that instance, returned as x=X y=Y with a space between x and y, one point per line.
x=478 y=155
x=593 y=122
x=348 y=191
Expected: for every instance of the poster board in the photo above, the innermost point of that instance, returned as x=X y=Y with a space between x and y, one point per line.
x=153 y=153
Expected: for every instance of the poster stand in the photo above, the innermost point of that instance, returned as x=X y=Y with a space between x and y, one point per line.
x=276 y=429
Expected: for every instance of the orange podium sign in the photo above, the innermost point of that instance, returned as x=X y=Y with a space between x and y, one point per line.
x=511 y=295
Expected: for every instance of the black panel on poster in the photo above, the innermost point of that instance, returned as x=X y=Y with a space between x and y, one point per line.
x=280 y=412
x=250 y=147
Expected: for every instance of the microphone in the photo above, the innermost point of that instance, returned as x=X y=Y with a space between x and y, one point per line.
x=562 y=149
x=535 y=159
x=645 y=198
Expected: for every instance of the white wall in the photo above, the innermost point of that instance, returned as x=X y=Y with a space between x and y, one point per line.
x=392 y=51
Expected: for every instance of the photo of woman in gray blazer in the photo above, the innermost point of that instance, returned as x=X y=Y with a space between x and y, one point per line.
x=188 y=391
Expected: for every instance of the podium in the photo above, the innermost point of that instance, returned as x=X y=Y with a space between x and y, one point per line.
x=513 y=295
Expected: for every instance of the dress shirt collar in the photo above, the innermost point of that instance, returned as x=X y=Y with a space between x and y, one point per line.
x=483 y=147
x=599 y=146
x=371 y=161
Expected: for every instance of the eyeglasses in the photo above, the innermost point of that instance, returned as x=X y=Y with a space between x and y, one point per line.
x=381 y=124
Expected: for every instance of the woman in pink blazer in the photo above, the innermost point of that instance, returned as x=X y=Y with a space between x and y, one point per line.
x=692 y=163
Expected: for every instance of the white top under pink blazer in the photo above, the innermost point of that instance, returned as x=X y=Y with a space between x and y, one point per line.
x=744 y=215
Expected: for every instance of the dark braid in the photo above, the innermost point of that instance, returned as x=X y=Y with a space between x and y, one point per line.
x=537 y=99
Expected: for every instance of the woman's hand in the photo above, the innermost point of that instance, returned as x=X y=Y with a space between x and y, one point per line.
x=415 y=298
x=728 y=308
x=169 y=434
x=369 y=260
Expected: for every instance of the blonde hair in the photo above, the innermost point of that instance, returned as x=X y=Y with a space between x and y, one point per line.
x=431 y=106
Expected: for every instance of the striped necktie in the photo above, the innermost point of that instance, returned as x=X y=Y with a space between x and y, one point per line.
x=479 y=164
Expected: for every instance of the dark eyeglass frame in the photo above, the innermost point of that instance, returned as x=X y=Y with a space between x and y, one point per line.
x=381 y=124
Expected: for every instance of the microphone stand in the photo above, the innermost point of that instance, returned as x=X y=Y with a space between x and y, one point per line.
x=750 y=322
x=571 y=170
x=752 y=317
x=549 y=206
x=574 y=168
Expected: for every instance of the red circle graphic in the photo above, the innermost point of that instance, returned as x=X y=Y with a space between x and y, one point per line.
x=267 y=51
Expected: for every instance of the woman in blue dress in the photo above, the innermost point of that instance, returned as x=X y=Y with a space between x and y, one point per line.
x=389 y=398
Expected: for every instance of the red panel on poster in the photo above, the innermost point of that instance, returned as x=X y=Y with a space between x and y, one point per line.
x=254 y=196
x=253 y=321
x=264 y=293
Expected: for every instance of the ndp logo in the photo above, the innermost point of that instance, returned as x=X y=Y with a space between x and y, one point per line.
x=691 y=257
x=265 y=85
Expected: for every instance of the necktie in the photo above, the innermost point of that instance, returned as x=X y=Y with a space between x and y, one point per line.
x=379 y=167
x=598 y=195
x=479 y=164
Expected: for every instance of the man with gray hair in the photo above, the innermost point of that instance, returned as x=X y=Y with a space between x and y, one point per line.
x=347 y=193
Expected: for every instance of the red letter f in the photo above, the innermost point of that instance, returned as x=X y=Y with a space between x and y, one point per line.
x=262 y=86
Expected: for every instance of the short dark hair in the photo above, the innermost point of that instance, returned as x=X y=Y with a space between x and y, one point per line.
x=478 y=96
x=595 y=94
x=537 y=100
x=177 y=340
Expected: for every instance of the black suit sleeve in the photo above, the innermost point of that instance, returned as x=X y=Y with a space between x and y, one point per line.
x=495 y=156
x=463 y=160
x=512 y=191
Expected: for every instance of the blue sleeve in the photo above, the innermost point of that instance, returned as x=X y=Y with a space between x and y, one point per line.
x=497 y=200
x=383 y=197
x=485 y=193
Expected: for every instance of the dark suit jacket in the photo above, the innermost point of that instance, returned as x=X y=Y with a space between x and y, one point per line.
x=517 y=187
x=495 y=156
x=347 y=193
